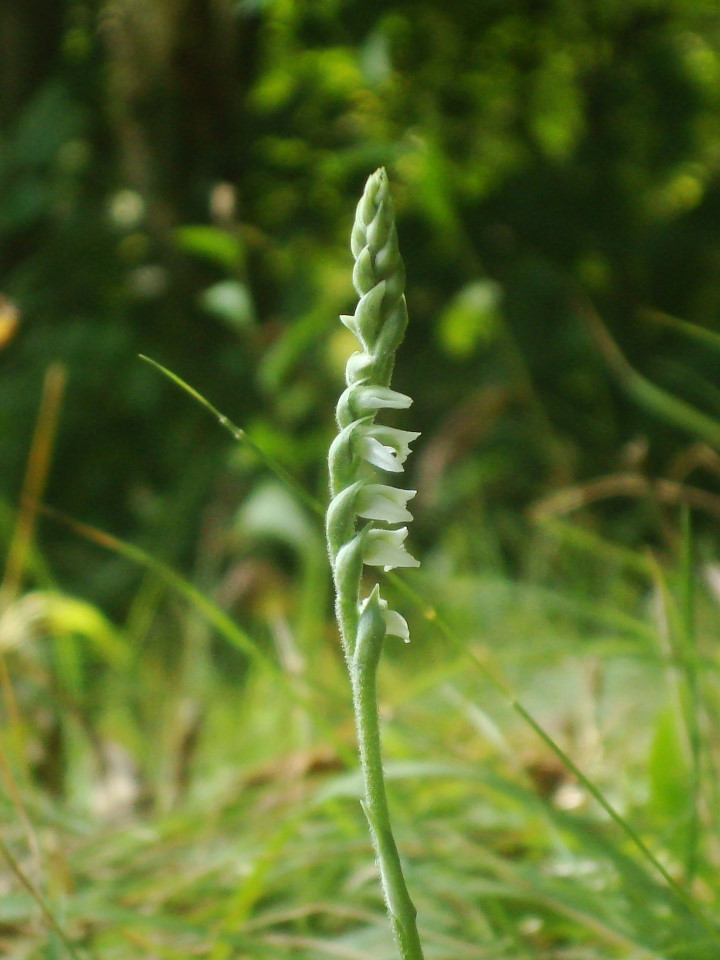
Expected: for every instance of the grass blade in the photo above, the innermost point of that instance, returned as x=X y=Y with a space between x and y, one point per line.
x=652 y=398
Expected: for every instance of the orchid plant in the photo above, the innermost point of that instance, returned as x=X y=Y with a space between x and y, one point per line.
x=365 y=517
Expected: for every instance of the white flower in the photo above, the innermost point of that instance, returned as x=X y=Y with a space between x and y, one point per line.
x=377 y=501
x=362 y=401
x=379 y=455
x=372 y=398
x=384 y=548
x=386 y=447
x=400 y=440
x=395 y=624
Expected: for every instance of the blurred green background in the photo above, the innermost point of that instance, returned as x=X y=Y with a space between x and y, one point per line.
x=178 y=179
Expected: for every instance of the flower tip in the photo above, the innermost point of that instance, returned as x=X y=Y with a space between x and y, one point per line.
x=377 y=178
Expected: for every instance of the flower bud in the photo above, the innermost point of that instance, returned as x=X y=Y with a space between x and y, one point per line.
x=371 y=631
x=359 y=367
x=395 y=625
x=368 y=316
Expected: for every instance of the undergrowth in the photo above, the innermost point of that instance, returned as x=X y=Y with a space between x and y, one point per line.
x=183 y=783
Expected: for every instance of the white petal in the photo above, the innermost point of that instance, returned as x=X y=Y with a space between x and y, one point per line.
x=380 y=398
x=397 y=440
x=378 y=454
x=384 y=548
x=377 y=501
x=396 y=625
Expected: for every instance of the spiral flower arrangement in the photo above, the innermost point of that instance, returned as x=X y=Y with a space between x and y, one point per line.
x=365 y=518
x=363 y=447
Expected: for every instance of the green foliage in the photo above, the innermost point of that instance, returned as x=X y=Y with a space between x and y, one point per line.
x=202 y=805
x=542 y=156
x=176 y=179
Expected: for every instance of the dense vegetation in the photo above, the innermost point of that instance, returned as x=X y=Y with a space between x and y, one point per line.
x=177 y=179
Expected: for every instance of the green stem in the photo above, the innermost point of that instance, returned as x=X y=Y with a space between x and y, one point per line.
x=397 y=898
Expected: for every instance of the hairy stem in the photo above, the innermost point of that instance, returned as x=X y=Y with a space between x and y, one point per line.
x=399 y=903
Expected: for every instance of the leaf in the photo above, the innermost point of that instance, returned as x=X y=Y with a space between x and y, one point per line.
x=211 y=243
x=470 y=318
x=652 y=398
x=668 y=771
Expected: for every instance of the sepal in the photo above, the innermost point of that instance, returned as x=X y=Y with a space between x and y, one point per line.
x=368 y=315
x=348 y=564
x=371 y=631
x=359 y=367
x=395 y=625
x=341 y=514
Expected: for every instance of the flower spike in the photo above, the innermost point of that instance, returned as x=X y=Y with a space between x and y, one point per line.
x=363 y=446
